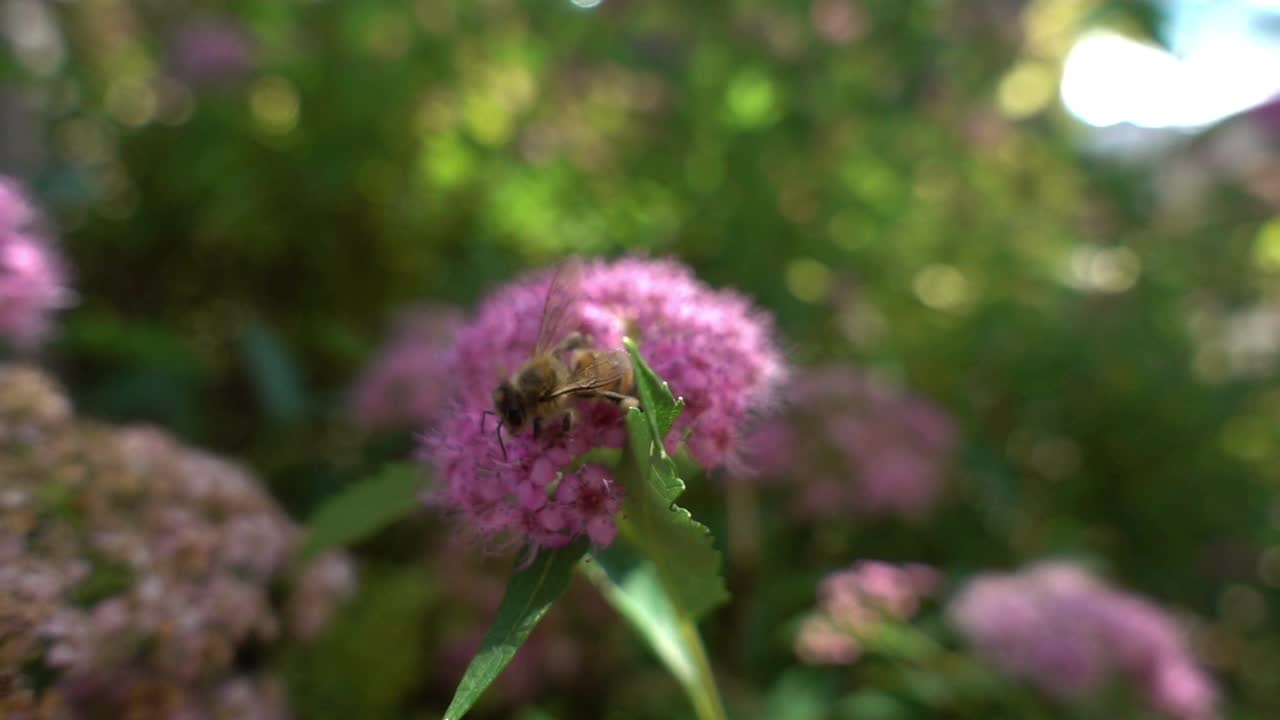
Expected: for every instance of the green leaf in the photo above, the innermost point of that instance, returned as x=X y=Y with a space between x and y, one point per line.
x=800 y=694
x=661 y=407
x=633 y=586
x=274 y=373
x=680 y=548
x=363 y=509
x=634 y=589
x=529 y=596
x=328 y=677
x=899 y=641
x=872 y=705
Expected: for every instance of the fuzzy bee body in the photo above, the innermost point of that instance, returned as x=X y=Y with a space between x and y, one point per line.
x=542 y=389
x=562 y=367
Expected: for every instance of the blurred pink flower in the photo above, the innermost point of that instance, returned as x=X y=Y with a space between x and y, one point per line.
x=839 y=22
x=32 y=282
x=1068 y=633
x=714 y=349
x=324 y=585
x=131 y=564
x=852 y=603
x=854 y=444
x=212 y=50
x=408 y=384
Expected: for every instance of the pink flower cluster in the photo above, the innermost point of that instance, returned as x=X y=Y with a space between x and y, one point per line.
x=32 y=284
x=855 y=444
x=1068 y=633
x=134 y=569
x=711 y=346
x=852 y=603
x=407 y=383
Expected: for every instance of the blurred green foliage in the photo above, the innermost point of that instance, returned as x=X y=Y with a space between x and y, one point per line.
x=239 y=245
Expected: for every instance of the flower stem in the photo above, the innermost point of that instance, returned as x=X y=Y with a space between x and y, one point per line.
x=705 y=697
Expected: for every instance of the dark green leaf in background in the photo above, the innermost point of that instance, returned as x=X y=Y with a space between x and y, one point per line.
x=274 y=373
x=363 y=509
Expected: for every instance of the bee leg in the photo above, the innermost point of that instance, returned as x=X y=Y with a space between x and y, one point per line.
x=626 y=402
x=566 y=422
x=537 y=427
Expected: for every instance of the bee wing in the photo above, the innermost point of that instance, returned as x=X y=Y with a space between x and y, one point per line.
x=606 y=368
x=562 y=292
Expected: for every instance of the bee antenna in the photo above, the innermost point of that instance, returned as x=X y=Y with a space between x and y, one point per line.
x=497 y=429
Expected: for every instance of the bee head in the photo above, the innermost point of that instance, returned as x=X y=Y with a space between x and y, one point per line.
x=506 y=402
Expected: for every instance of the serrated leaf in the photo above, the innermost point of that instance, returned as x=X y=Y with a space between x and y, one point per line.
x=530 y=594
x=680 y=548
x=661 y=407
x=363 y=509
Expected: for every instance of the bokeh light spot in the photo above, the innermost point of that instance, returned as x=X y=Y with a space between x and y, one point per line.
x=175 y=102
x=32 y=30
x=808 y=279
x=388 y=35
x=486 y=120
x=1103 y=269
x=446 y=161
x=752 y=99
x=274 y=103
x=1243 y=606
x=1267 y=247
x=131 y=102
x=1026 y=89
x=1049 y=25
x=85 y=141
x=1269 y=567
x=941 y=287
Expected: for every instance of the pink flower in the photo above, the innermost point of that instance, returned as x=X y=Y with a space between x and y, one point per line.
x=711 y=346
x=32 y=283
x=1068 y=633
x=408 y=384
x=213 y=50
x=839 y=22
x=317 y=593
x=854 y=602
x=820 y=642
x=164 y=573
x=856 y=444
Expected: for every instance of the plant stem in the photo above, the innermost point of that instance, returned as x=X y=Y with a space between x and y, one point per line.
x=706 y=699
x=687 y=659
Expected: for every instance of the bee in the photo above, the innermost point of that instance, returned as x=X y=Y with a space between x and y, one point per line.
x=562 y=368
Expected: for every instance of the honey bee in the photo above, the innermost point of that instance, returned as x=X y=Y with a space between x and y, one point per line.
x=563 y=367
